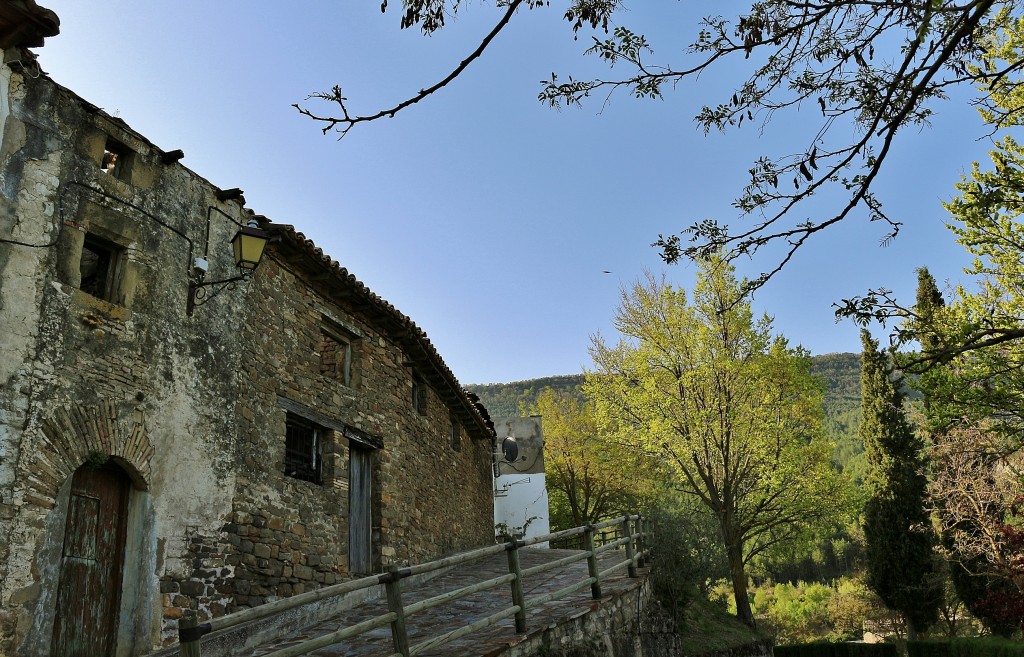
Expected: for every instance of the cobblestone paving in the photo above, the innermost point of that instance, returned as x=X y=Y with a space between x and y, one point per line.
x=452 y=616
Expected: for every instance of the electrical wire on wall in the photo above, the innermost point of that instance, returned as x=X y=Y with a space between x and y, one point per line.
x=83 y=187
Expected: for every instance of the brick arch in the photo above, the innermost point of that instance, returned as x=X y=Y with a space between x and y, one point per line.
x=73 y=435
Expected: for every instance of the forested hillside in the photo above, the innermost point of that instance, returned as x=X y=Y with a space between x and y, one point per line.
x=839 y=372
x=841 y=375
x=505 y=399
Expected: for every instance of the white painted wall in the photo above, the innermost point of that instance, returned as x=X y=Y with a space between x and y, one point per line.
x=520 y=493
x=520 y=497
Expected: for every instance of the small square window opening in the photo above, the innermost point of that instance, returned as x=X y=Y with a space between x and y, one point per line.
x=302 y=449
x=335 y=357
x=99 y=268
x=116 y=159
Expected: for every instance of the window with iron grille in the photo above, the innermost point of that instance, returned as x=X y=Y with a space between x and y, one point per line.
x=419 y=394
x=302 y=453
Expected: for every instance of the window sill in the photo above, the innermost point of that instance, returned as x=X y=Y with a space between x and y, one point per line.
x=110 y=310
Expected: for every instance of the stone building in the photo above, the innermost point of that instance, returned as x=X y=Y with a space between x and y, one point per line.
x=156 y=455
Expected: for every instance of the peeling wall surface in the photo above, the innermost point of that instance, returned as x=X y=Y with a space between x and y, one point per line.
x=288 y=433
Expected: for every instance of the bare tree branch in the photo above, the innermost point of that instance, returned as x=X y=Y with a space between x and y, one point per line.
x=810 y=53
x=346 y=121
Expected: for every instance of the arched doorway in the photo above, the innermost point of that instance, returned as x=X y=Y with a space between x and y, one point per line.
x=92 y=561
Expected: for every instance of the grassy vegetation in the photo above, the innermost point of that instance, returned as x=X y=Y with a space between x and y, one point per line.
x=706 y=628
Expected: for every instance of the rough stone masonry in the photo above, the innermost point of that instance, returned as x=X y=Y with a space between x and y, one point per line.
x=290 y=432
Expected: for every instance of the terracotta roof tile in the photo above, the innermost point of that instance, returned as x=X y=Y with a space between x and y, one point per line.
x=397 y=325
x=24 y=24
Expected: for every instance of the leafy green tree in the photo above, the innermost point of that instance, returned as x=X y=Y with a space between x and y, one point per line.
x=979 y=338
x=589 y=473
x=897 y=530
x=864 y=69
x=929 y=304
x=927 y=309
x=850 y=606
x=795 y=613
x=732 y=410
x=802 y=612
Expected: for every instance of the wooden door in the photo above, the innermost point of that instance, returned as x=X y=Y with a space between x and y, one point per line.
x=89 y=589
x=359 y=512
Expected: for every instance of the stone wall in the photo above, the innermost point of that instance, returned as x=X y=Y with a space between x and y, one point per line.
x=193 y=410
x=607 y=629
x=627 y=624
x=95 y=377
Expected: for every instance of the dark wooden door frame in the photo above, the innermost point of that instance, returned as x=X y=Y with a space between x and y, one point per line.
x=360 y=510
x=92 y=563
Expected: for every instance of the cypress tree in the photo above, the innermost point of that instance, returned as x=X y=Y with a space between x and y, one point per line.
x=898 y=534
x=929 y=300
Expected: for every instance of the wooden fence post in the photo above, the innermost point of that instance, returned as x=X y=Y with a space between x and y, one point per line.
x=641 y=542
x=188 y=637
x=518 y=599
x=393 y=589
x=588 y=545
x=627 y=527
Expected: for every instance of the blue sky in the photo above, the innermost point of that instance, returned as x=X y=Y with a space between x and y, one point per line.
x=485 y=216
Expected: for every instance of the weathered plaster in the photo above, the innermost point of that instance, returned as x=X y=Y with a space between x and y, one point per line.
x=38 y=609
x=190 y=406
x=135 y=636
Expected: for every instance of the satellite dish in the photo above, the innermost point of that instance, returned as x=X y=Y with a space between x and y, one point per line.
x=510 y=449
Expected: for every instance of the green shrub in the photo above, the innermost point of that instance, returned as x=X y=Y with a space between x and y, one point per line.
x=838 y=650
x=928 y=649
x=687 y=556
x=975 y=647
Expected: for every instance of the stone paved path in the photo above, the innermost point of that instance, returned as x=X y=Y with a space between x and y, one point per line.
x=452 y=616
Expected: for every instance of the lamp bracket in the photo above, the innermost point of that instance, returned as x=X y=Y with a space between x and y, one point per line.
x=199 y=292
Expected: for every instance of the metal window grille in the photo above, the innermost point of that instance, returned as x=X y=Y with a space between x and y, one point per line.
x=419 y=395
x=302 y=458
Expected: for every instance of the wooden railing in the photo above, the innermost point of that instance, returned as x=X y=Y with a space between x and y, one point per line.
x=633 y=538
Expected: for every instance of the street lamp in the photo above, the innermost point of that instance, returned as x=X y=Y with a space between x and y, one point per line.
x=247 y=246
